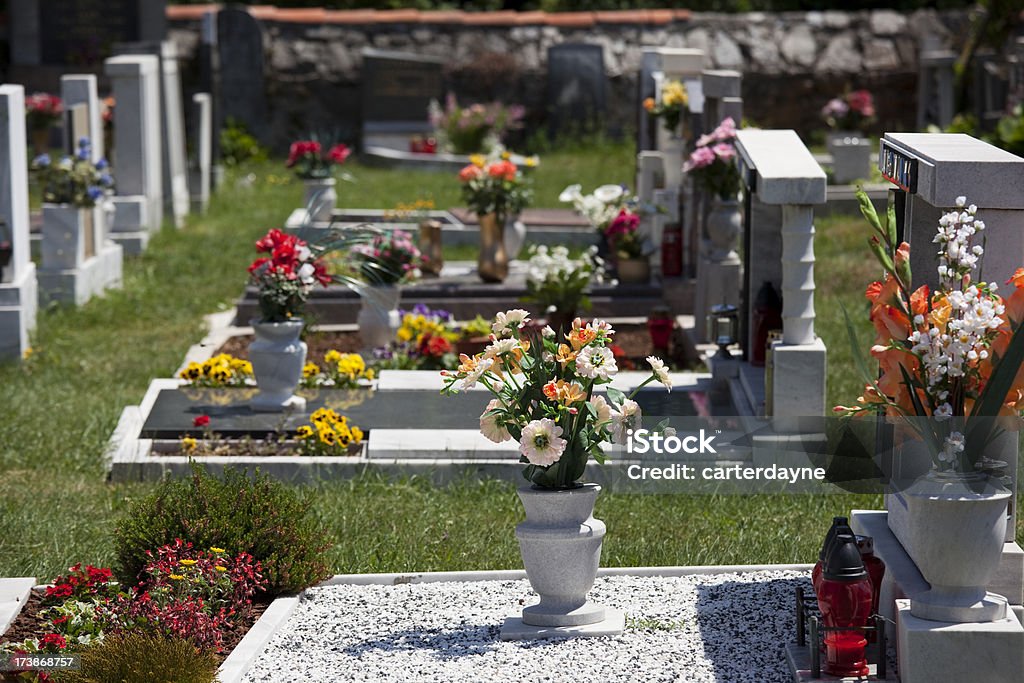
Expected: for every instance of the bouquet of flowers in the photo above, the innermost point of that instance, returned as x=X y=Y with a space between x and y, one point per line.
x=43 y=110
x=544 y=387
x=473 y=129
x=952 y=355
x=851 y=111
x=558 y=283
x=713 y=162
x=309 y=161
x=286 y=276
x=670 y=106
x=495 y=186
x=624 y=236
x=600 y=207
x=424 y=341
x=74 y=180
x=389 y=259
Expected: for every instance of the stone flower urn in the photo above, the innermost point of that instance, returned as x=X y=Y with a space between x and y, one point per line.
x=277 y=356
x=560 y=542
x=321 y=198
x=724 y=227
x=492 y=263
x=515 y=237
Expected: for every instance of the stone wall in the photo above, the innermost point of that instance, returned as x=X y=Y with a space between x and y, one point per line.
x=792 y=62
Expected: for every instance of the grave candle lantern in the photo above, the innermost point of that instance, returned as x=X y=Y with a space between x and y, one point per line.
x=876 y=571
x=660 y=325
x=840 y=525
x=845 y=603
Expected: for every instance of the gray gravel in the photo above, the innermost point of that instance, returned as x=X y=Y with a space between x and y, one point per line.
x=727 y=628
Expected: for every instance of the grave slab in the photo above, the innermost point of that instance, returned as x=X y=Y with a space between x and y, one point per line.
x=14 y=594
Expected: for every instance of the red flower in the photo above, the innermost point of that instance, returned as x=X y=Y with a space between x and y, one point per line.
x=272 y=239
x=258 y=263
x=201 y=421
x=321 y=274
x=339 y=153
x=623 y=224
x=435 y=346
x=52 y=640
x=300 y=149
x=505 y=170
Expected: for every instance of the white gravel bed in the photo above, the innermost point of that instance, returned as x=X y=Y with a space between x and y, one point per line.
x=727 y=628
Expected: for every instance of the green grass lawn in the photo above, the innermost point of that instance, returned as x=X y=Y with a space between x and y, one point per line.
x=60 y=406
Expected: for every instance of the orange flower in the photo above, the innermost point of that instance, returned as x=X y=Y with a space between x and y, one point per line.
x=580 y=336
x=1015 y=302
x=551 y=390
x=649 y=104
x=505 y=170
x=565 y=355
x=470 y=172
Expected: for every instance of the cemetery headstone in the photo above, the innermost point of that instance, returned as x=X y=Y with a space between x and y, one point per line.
x=779 y=172
x=397 y=89
x=50 y=37
x=243 y=97
x=209 y=82
x=172 y=125
x=137 y=150
x=80 y=89
x=202 y=160
x=577 y=87
x=18 y=284
x=935 y=88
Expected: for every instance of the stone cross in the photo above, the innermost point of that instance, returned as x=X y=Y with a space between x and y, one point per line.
x=18 y=284
x=137 y=149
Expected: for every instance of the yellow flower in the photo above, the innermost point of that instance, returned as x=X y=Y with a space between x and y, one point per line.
x=327 y=436
x=674 y=94
x=304 y=432
x=216 y=550
x=220 y=568
x=332 y=357
x=357 y=434
x=176 y=577
x=187 y=563
x=478 y=160
x=188 y=444
x=28 y=352
x=506 y=155
x=192 y=372
x=310 y=370
x=531 y=161
x=404 y=333
x=369 y=374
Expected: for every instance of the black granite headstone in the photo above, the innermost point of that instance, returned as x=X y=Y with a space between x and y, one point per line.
x=240 y=51
x=577 y=86
x=398 y=87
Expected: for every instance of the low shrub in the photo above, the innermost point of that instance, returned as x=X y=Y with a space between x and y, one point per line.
x=259 y=516
x=143 y=658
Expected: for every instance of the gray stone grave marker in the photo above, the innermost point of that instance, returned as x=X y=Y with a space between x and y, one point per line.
x=137 y=150
x=202 y=161
x=935 y=88
x=18 y=284
x=397 y=88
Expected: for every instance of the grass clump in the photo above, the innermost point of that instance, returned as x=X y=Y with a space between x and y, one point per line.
x=143 y=658
x=257 y=515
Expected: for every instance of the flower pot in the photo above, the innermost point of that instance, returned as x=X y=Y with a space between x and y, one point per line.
x=277 y=356
x=956 y=527
x=560 y=542
x=321 y=198
x=515 y=237
x=724 y=226
x=492 y=264
x=633 y=271
x=378 y=317
x=68 y=236
x=672 y=155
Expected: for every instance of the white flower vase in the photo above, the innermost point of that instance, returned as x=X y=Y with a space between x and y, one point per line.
x=277 y=356
x=672 y=159
x=957 y=527
x=560 y=543
x=515 y=237
x=378 y=316
x=724 y=227
x=321 y=198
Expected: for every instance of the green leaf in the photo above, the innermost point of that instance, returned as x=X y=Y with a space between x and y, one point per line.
x=615 y=397
x=890 y=223
x=868 y=210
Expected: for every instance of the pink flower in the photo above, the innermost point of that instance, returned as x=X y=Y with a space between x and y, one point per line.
x=724 y=151
x=726 y=130
x=700 y=158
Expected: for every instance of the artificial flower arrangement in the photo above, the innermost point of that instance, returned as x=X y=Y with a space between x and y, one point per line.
x=222 y=370
x=495 y=185
x=43 y=110
x=713 y=162
x=424 y=341
x=670 y=106
x=473 y=129
x=339 y=371
x=623 y=234
x=287 y=275
x=328 y=433
x=851 y=111
x=544 y=385
x=952 y=355
x=74 y=180
x=389 y=258
x=600 y=207
x=309 y=161
x=558 y=283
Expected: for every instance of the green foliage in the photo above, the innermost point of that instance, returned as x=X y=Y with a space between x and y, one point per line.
x=142 y=658
x=237 y=146
x=257 y=515
x=1010 y=132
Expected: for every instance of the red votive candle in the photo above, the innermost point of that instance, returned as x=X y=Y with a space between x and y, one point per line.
x=845 y=602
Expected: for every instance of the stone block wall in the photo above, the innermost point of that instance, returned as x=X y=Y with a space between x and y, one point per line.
x=792 y=62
